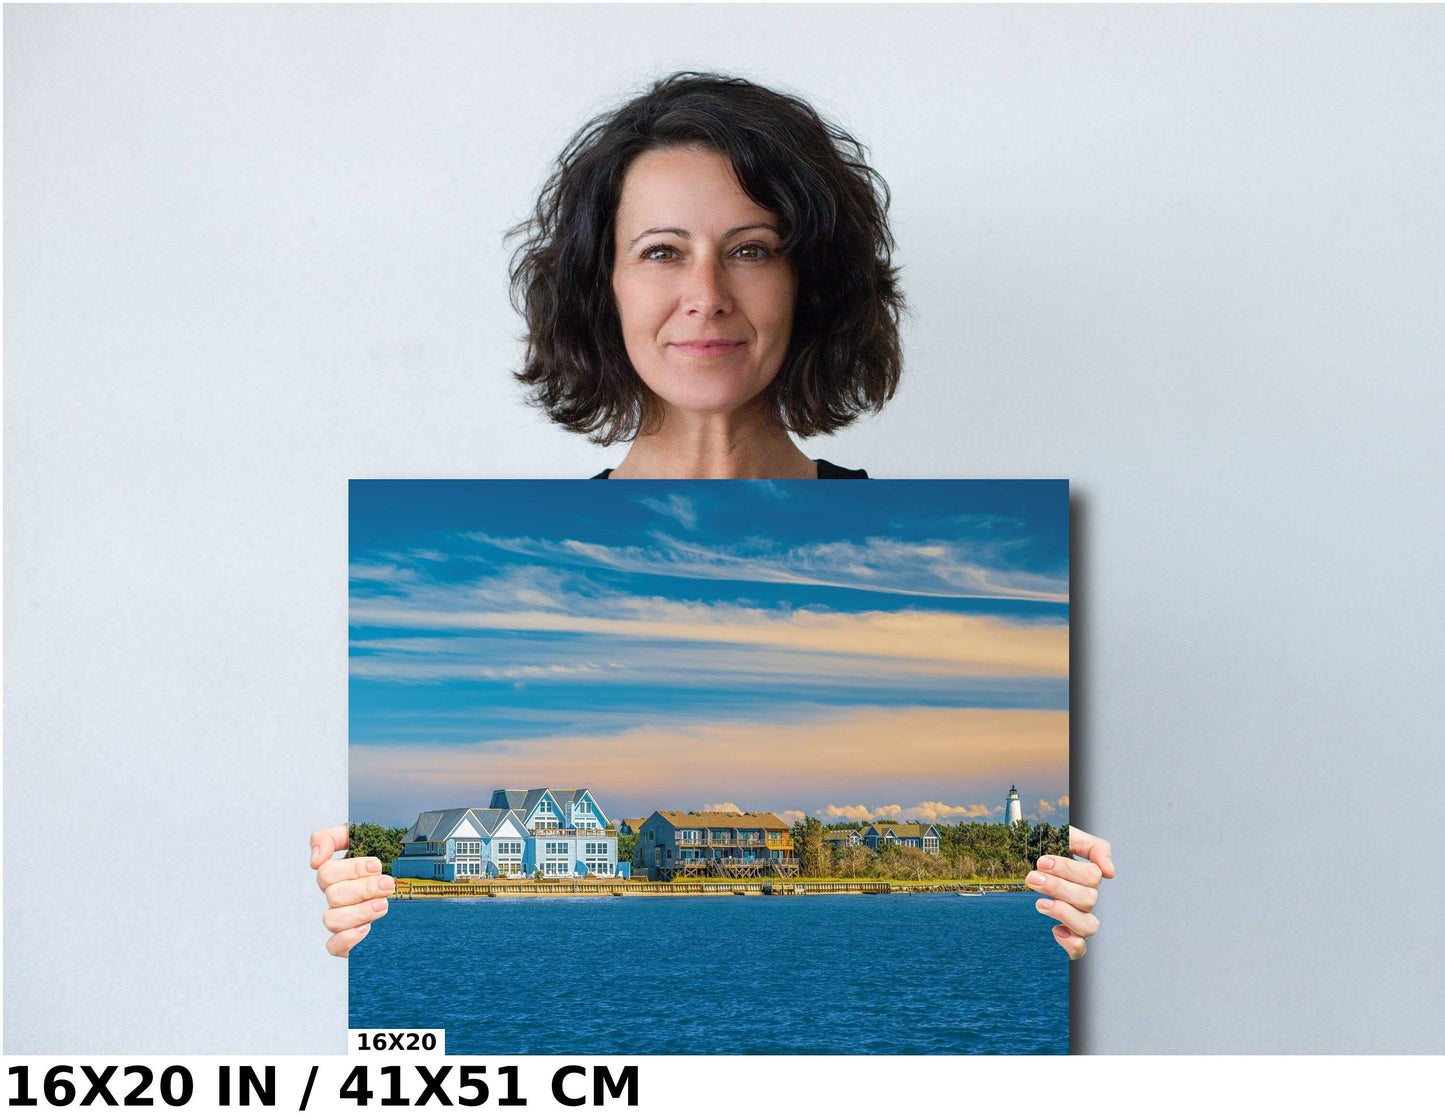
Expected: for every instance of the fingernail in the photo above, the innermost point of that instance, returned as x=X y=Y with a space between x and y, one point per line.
x=315 y=852
x=379 y=905
x=1046 y=863
x=373 y=865
x=1045 y=904
x=386 y=882
x=1036 y=879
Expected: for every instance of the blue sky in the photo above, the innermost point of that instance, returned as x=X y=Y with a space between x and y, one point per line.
x=877 y=649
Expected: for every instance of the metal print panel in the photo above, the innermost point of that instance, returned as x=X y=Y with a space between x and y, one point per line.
x=711 y=767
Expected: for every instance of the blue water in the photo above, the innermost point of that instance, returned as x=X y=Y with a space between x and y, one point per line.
x=850 y=974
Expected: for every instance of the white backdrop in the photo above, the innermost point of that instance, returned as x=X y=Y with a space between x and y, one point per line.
x=1192 y=259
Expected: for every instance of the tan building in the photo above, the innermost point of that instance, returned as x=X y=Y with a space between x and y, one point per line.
x=673 y=844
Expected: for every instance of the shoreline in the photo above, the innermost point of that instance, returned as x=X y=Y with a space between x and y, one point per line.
x=419 y=889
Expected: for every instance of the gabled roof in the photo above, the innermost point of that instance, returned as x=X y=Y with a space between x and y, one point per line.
x=438 y=825
x=903 y=831
x=525 y=801
x=720 y=820
x=534 y=798
x=839 y=833
x=913 y=830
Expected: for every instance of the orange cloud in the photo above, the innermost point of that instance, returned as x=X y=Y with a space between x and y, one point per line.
x=744 y=762
x=932 y=811
x=931 y=642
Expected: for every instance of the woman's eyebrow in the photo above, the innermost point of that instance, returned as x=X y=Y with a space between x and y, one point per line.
x=682 y=233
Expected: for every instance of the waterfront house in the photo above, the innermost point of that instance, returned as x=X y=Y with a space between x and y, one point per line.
x=923 y=837
x=453 y=844
x=839 y=838
x=673 y=844
x=629 y=826
x=568 y=834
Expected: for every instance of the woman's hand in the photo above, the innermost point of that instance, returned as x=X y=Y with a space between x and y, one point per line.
x=1073 y=885
x=355 y=889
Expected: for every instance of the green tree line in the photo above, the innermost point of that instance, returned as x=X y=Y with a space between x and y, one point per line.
x=973 y=850
x=369 y=839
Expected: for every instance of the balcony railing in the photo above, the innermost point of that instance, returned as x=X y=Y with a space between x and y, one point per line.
x=593 y=832
x=734 y=861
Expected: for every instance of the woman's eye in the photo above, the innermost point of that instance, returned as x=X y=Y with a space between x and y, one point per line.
x=753 y=252
x=659 y=253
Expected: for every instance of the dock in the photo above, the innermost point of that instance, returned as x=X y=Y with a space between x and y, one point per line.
x=421 y=889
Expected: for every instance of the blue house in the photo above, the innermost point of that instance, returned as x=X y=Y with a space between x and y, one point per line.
x=837 y=838
x=561 y=832
x=923 y=837
x=568 y=834
x=453 y=844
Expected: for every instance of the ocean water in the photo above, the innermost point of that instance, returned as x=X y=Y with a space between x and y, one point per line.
x=848 y=974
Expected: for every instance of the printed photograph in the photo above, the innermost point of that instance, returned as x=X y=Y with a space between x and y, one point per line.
x=711 y=767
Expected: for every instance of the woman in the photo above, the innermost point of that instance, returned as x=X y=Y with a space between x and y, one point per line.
x=705 y=276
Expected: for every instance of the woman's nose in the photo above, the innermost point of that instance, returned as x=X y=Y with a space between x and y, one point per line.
x=707 y=289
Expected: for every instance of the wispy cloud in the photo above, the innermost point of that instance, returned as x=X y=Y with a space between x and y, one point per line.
x=942 y=568
x=722 y=807
x=930 y=642
x=380 y=573
x=791 y=816
x=675 y=506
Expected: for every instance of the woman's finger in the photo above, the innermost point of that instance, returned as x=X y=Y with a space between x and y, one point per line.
x=1071 y=942
x=326 y=842
x=1076 y=894
x=348 y=892
x=1085 y=925
x=338 y=945
x=336 y=870
x=1092 y=848
x=339 y=918
x=1075 y=870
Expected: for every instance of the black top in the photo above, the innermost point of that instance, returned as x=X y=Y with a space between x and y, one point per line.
x=825 y=470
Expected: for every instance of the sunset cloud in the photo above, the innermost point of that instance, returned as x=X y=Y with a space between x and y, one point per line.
x=899 y=650
x=930 y=642
x=934 y=812
x=746 y=762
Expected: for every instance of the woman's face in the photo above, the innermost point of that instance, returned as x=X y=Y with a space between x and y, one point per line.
x=705 y=300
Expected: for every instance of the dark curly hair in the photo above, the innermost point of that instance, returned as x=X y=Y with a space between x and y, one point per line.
x=844 y=357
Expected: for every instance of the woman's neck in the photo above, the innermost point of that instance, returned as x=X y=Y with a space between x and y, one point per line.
x=743 y=444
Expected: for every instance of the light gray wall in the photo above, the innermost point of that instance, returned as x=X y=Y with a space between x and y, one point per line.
x=1191 y=258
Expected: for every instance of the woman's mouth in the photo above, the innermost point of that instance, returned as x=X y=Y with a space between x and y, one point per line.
x=706 y=348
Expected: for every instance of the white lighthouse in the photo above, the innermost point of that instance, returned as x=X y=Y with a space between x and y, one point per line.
x=1011 y=810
